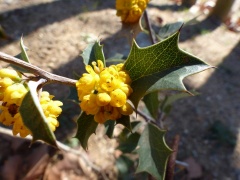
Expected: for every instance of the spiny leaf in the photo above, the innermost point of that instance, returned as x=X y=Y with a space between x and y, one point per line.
x=153 y=152
x=126 y=133
x=169 y=29
x=86 y=127
x=23 y=56
x=152 y=103
x=34 y=118
x=93 y=52
x=109 y=127
x=130 y=143
x=160 y=66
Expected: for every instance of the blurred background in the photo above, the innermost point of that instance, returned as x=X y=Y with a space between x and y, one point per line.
x=56 y=32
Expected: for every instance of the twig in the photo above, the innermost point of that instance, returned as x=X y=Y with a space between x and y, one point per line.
x=145 y=116
x=172 y=159
x=37 y=71
x=149 y=27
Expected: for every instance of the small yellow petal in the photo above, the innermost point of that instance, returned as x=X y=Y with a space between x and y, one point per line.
x=103 y=99
x=126 y=109
x=118 y=98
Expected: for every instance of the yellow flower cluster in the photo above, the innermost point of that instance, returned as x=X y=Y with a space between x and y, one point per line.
x=103 y=92
x=12 y=92
x=130 y=10
x=51 y=109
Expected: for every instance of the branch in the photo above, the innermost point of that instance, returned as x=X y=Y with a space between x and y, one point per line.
x=172 y=159
x=145 y=116
x=36 y=70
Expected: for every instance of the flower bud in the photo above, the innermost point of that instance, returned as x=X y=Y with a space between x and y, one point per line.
x=126 y=109
x=103 y=99
x=89 y=104
x=10 y=73
x=99 y=117
x=118 y=98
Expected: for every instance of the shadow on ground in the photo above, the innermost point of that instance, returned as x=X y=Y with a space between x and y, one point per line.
x=37 y=16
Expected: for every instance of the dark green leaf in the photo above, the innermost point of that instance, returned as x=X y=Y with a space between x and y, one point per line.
x=152 y=103
x=93 y=52
x=34 y=118
x=109 y=127
x=153 y=152
x=130 y=144
x=169 y=29
x=126 y=133
x=160 y=66
x=125 y=121
x=86 y=127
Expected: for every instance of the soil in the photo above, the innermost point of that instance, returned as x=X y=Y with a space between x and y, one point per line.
x=56 y=32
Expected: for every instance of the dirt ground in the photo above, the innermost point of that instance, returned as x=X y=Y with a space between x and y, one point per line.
x=56 y=32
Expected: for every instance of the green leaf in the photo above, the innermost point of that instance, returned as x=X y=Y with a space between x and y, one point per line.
x=130 y=144
x=125 y=121
x=109 y=127
x=152 y=103
x=23 y=56
x=86 y=127
x=126 y=133
x=160 y=66
x=169 y=29
x=34 y=118
x=93 y=52
x=153 y=152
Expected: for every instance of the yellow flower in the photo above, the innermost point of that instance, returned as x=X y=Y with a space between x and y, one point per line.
x=10 y=115
x=103 y=99
x=10 y=73
x=19 y=127
x=130 y=11
x=118 y=98
x=12 y=92
x=89 y=104
x=109 y=80
x=51 y=109
x=106 y=96
x=126 y=109
x=7 y=78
